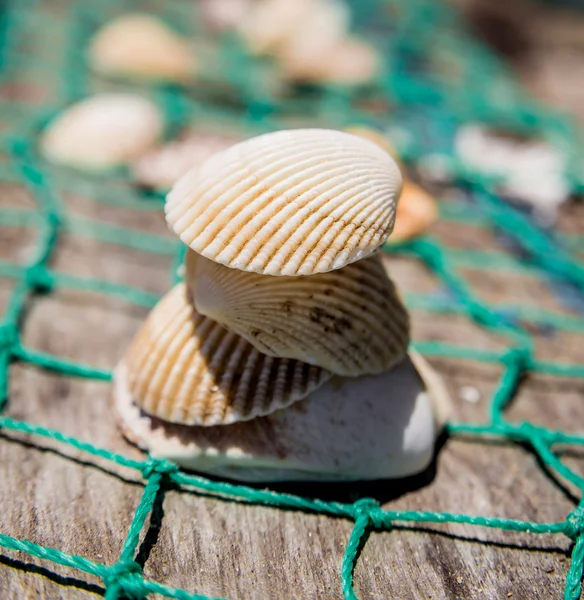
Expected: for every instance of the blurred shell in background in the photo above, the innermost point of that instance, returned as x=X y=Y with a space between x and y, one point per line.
x=185 y=368
x=269 y=23
x=310 y=40
x=143 y=47
x=103 y=131
x=349 y=321
x=417 y=210
x=374 y=427
x=223 y=15
x=295 y=202
x=163 y=166
x=532 y=170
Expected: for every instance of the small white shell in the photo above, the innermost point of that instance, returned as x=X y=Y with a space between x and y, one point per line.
x=270 y=22
x=223 y=15
x=295 y=202
x=162 y=167
x=349 y=321
x=185 y=368
x=347 y=62
x=143 y=47
x=373 y=427
x=102 y=131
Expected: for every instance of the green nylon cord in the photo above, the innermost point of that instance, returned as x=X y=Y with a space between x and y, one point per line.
x=481 y=90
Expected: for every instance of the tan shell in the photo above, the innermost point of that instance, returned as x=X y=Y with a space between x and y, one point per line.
x=347 y=62
x=271 y=22
x=102 y=131
x=349 y=321
x=162 y=167
x=141 y=46
x=185 y=368
x=295 y=202
x=416 y=212
x=223 y=15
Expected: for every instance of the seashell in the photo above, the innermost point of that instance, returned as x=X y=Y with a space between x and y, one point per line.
x=349 y=321
x=375 y=136
x=375 y=427
x=224 y=15
x=185 y=368
x=141 y=46
x=295 y=202
x=161 y=167
x=416 y=212
x=102 y=131
x=271 y=22
x=348 y=62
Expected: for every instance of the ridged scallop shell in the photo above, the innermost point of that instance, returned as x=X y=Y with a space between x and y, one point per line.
x=162 y=167
x=185 y=368
x=295 y=202
x=102 y=131
x=349 y=321
x=417 y=209
x=141 y=46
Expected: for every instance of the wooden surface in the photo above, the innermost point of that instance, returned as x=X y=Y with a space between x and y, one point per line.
x=51 y=495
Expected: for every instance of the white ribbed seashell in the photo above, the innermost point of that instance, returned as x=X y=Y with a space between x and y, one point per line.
x=161 y=167
x=102 y=131
x=295 y=202
x=349 y=321
x=141 y=46
x=185 y=368
x=417 y=209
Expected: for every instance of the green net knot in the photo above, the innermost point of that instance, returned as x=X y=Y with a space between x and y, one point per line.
x=158 y=465
x=8 y=336
x=575 y=523
x=126 y=577
x=517 y=357
x=370 y=510
x=39 y=279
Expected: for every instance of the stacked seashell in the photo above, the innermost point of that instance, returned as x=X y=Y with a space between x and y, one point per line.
x=284 y=353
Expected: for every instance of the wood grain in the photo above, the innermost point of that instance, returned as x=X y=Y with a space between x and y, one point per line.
x=53 y=495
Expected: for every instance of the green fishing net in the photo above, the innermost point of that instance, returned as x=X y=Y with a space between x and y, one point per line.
x=436 y=77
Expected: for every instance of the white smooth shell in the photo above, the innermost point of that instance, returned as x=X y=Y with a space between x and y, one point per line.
x=349 y=321
x=375 y=427
x=185 y=368
x=346 y=62
x=295 y=202
x=141 y=46
x=102 y=131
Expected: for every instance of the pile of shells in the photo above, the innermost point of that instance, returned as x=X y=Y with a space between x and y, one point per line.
x=284 y=353
x=311 y=41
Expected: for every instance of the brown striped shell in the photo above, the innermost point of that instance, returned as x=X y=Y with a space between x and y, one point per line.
x=295 y=202
x=143 y=47
x=349 y=321
x=185 y=368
